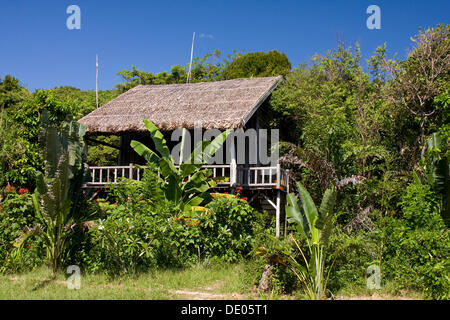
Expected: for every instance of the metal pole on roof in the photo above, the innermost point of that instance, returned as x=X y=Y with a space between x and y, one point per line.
x=190 y=63
x=96 y=79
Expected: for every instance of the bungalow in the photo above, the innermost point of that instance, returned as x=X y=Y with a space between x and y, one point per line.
x=230 y=104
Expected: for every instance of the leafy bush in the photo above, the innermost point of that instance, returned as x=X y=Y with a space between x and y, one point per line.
x=16 y=212
x=132 y=237
x=416 y=259
x=420 y=206
x=136 y=234
x=231 y=229
x=350 y=255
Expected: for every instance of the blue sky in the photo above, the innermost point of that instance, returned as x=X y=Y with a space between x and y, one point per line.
x=37 y=47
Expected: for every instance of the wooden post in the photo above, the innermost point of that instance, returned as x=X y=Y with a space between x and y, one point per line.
x=131 y=171
x=277 y=214
x=285 y=215
x=233 y=165
x=278 y=176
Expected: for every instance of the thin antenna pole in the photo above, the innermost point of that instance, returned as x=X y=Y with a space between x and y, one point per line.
x=96 y=79
x=190 y=63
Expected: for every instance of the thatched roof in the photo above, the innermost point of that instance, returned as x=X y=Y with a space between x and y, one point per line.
x=222 y=105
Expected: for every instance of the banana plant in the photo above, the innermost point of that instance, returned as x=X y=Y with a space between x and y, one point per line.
x=315 y=226
x=437 y=171
x=187 y=185
x=57 y=194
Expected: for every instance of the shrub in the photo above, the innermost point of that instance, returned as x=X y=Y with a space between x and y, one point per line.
x=16 y=212
x=420 y=206
x=224 y=230
x=229 y=230
x=350 y=255
x=135 y=234
x=131 y=238
x=416 y=259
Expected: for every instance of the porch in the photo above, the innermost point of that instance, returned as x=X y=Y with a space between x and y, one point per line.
x=225 y=175
x=267 y=184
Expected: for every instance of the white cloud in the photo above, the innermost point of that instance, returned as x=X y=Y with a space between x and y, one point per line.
x=208 y=36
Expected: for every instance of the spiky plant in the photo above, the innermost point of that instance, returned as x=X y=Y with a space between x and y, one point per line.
x=58 y=190
x=315 y=226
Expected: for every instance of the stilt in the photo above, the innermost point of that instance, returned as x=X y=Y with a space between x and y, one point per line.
x=278 y=213
x=233 y=165
x=285 y=215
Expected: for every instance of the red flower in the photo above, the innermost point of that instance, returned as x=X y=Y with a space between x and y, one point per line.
x=23 y=191
x=245 y=198
x=10 y=189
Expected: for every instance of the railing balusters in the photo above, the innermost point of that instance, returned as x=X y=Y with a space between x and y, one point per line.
x=253 y=175
x=270 y=175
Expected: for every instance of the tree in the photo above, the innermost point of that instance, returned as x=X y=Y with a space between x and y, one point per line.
x=423 y=76
x=11 y=92
x=317 y=111
x=207 y=68
x=257 y=64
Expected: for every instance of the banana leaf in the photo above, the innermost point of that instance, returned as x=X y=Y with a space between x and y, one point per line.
x=158 y=139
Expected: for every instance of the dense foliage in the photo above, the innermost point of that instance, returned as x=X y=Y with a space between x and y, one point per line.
x=136 y=233
x=383 y=126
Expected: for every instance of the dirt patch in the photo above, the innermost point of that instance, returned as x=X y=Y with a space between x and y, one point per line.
x=207 y=293
x=198 y=295
x=46 y=280
x=377 y=296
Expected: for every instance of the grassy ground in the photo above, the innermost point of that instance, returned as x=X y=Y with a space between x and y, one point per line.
x=224 y=281
x=200 y=282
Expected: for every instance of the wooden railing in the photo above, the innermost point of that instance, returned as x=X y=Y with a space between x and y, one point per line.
x=274 y=177
x=224 y=175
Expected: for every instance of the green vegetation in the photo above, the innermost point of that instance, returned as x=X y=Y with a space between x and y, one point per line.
x=316 y=234
x=188 y=185
x=58 y=192
x=205 y=281
x=385 y=125
x=257 y=64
